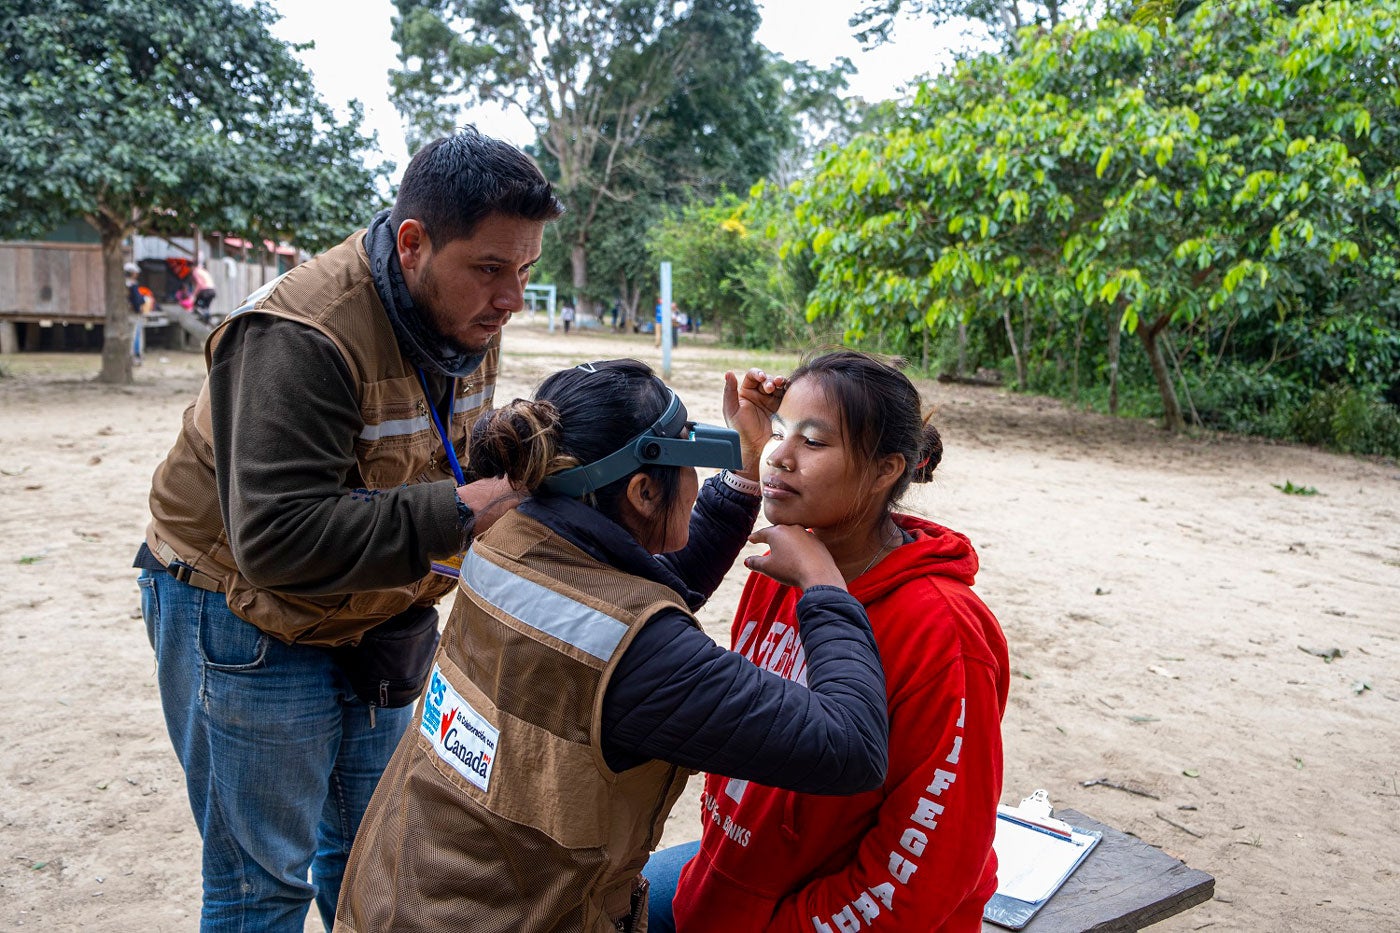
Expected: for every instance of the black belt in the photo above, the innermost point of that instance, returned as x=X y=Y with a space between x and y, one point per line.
x=182 y=571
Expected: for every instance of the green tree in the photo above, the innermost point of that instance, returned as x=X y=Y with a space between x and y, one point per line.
x=636 y=104
x=725 y=121
x=1003 y=19
x=718 y=123
x=589 y=75
x=822 y=113
x=1229 y=171
x=731 y=269
x=137 y=112
x=747 y=115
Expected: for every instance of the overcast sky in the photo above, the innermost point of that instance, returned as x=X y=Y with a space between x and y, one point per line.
x=354 y=53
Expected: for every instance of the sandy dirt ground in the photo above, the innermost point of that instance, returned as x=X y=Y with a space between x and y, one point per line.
x=1177 y=626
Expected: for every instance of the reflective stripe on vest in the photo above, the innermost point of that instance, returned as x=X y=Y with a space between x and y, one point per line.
x=252 y=300
x=402 y=427
x=398 y=428
x=543 y=609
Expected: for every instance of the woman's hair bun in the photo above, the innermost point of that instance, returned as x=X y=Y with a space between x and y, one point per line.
x=930 y=454
x=518 y=441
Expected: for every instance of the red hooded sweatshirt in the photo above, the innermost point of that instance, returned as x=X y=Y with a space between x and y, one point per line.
x=916 y=854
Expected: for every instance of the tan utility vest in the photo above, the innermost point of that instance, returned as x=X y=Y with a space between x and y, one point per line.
x=398 y=444
x=498 y=813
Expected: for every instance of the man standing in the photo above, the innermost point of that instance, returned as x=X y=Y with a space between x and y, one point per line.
x=313 y=481
x=137 y=301
x=203 y=289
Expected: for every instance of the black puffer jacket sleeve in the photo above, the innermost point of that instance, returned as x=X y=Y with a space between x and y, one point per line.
x=679 y=697
x=719 y=528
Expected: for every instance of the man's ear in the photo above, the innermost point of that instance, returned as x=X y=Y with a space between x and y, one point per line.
x=413 y=244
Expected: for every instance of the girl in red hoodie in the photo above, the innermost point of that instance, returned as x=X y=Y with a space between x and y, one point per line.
x=915 y=854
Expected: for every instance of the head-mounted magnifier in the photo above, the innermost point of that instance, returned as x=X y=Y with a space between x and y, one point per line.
x=672 y=441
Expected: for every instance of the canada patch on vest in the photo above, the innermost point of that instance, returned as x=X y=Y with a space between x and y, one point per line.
x=460 y=735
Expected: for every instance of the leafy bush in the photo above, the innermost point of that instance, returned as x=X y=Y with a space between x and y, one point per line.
x=1246 y=399
x=1349 y=420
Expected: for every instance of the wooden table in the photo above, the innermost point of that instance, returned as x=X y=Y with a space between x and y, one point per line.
x=1124 y=885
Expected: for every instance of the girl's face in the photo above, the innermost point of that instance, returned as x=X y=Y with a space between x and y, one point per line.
x=809 y=477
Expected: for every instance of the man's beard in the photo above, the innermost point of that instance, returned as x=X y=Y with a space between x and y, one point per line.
x=425 y=296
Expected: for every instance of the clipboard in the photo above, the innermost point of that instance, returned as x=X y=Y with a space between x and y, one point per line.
x=1036 y=854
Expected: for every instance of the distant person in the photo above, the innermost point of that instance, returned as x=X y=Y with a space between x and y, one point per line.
x=916 y=853
x=567 y=316
x=574 y=692
x=317 y=477
x=202 y=290
x=616 y=312
x=142 y=303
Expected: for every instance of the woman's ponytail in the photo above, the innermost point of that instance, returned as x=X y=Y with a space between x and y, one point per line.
x=930 y=453
x=520 y=442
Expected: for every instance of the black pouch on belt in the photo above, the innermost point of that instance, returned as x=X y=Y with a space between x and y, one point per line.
x=389 y=666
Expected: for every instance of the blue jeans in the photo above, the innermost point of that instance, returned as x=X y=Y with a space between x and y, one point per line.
x=663 y=871
x=280 y=757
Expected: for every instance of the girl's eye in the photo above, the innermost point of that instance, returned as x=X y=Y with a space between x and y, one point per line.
x=813 y=442
x=777 y=435
x=490 y=270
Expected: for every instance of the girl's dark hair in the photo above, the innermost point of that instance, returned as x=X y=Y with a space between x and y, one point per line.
x=881 y=412
x=453 y=183
x=579 y=415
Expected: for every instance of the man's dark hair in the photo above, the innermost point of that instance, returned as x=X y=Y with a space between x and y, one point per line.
x=452 y=183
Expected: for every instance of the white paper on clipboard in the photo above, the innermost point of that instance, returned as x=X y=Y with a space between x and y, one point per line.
x=1032 y=863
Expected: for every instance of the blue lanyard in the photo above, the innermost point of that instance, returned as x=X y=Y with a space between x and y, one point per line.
x=442 y=432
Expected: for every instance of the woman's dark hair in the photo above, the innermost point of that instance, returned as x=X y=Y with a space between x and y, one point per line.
x=451 y=184
x=881 y=412
x=579 y=415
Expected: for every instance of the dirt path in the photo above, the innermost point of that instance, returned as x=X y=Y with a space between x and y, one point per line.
x=1167 y=609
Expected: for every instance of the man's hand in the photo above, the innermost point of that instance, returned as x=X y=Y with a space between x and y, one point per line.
x=796 y=558
x=489 y=499
x=749 y=406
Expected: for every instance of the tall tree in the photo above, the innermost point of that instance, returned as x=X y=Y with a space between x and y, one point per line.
x=820 y=111
x=1003 y=19
x=189 y=109
x=730 y=120
x=1237 y=169
x=598 y=79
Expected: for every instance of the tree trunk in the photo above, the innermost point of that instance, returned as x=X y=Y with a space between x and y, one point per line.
x=962 y=349
x=1025 y=342
x=1172 y=419
x=1078 y=344
x=578 y=261
x=1015 y=350
x=1115 y=335
x=925 y=351
x=116 y=328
